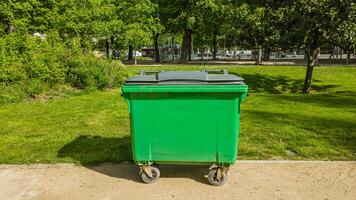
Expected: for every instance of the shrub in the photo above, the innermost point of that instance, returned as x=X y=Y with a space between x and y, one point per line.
x=35 y=87
x=86 y=71
x=31 y=65
x=45 y=62
x=12 y=68
x=26 y=57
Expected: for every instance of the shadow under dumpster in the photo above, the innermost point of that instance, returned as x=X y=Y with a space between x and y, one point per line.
x=130 y=171
x=102 y=155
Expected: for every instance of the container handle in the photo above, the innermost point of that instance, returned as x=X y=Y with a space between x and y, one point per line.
x=144 y=72
x=221 y=71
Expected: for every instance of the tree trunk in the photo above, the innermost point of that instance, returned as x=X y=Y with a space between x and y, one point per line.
x=173 y=49
x=312 y=60
x=214 y=46
x=130 y=56
x=259 y=56
x=113 y=50
x=331 y=51
x=190 y=52
x=234 y=53
x=342 y=51
x=308 y=77
x=107 y=48
x=202 y=54
x=157 y=57
x=337 y=52
x=316 y=53
x=267 y=52
x=185 y=50
x=348 y=57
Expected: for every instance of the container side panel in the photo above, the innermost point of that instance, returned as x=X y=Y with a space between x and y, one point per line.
x=186 y=127
x=228 y=130
x=140 y=130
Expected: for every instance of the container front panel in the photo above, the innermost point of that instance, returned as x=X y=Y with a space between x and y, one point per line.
x=184 y=127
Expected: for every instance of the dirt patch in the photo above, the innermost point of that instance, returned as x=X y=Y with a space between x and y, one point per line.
x=247 y=180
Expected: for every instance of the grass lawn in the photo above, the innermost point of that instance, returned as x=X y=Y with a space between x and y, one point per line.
x=277 y=121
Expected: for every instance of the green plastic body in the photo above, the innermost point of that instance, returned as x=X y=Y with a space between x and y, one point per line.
x=184 y=124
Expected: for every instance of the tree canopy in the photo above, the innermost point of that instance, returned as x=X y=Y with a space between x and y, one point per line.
x=113 y=26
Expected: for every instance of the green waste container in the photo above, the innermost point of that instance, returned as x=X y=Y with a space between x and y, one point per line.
x=184 y=117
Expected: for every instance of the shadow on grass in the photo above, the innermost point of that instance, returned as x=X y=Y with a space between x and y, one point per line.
x=334 y=135
x=87 y=149
x=278 y=84
x=343 y=100
x=99 y=154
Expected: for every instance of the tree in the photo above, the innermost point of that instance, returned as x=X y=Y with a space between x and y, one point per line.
x=309 y=24
x=248 y=26
x=141 y=24
x=185 y=23
x=106 y=25
x=18 y=16
x=158 y=29
x=344 y=25
x=209 y=16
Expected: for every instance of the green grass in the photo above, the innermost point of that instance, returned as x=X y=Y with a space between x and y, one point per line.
x=277 y=121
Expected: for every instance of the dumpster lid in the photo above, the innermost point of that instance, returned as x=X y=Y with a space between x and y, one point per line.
x=185 y=77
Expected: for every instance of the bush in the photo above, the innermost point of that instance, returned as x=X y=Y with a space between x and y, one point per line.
x=35 y=87
x=26 y=57
x=31 y=65
x=45 y=62
x=90 y=72
x=12 y=68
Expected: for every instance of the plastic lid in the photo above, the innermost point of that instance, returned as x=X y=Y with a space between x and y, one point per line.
x=185 y=77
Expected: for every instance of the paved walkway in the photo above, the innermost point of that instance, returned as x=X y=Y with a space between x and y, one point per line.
x=247 y=180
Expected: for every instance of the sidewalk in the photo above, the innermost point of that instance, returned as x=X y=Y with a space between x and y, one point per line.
x=247 y=180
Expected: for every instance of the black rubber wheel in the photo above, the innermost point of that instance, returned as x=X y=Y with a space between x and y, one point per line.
x=155 y=175
x=212 y=177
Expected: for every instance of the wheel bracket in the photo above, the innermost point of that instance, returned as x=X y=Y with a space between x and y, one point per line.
x=147 y=169
x=221 y=169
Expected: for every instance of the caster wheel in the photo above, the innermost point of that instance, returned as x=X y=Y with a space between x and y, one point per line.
x=213 y=177
x=150 y=179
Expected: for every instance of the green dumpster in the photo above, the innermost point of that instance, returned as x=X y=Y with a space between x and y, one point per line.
x=184 y=117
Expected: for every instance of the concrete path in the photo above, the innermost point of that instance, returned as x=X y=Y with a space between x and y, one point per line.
x=247 y=180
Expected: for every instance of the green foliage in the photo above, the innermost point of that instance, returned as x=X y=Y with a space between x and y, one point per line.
x=91 y=72
x=71 y=29
x=35 y=87
x=44 y=61
x=31 y=65
x=25 y=57
x=12 y=68
x=252 y=24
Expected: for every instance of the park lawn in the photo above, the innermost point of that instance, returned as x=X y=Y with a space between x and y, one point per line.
x=277 y=121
